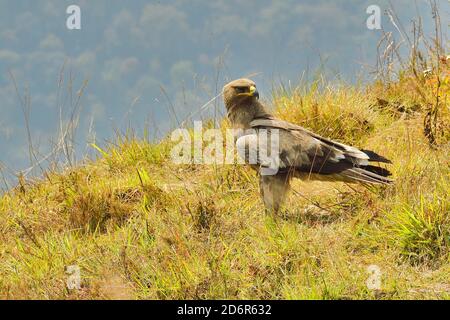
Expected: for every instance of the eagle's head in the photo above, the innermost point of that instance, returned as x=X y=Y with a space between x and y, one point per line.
x=240 y=91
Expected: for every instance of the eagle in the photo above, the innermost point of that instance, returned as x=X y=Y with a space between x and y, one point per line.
x=299 y=153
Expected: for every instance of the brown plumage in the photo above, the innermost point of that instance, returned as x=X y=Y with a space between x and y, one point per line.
x=301 y=153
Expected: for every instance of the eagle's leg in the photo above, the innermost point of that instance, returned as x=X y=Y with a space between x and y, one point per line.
x=273 y=191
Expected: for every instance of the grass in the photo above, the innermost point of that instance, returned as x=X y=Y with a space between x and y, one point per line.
x=140 y=227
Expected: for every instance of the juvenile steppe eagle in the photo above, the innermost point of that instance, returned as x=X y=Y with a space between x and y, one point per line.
x=300 y=153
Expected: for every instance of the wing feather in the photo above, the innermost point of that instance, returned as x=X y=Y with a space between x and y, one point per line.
x=304 y=151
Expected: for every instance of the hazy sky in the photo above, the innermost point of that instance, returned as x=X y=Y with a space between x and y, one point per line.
x=129 y=50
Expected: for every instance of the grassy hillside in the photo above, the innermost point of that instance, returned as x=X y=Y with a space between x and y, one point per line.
x=139 y=226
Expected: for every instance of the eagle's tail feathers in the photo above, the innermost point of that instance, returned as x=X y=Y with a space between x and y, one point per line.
x=367 y=174
x=375 y=157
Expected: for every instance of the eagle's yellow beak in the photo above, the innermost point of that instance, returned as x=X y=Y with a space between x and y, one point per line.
x=254 y=92
x=251 y=93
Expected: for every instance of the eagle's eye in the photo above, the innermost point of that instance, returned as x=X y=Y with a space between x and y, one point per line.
x=241 y=89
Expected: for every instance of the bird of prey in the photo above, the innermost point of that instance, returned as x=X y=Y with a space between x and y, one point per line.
x=300 y=153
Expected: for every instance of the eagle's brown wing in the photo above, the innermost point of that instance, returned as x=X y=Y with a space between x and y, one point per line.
x=301 y=150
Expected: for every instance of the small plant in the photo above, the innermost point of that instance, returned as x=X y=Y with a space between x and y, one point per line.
x=203 y=213
x=421 y=231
